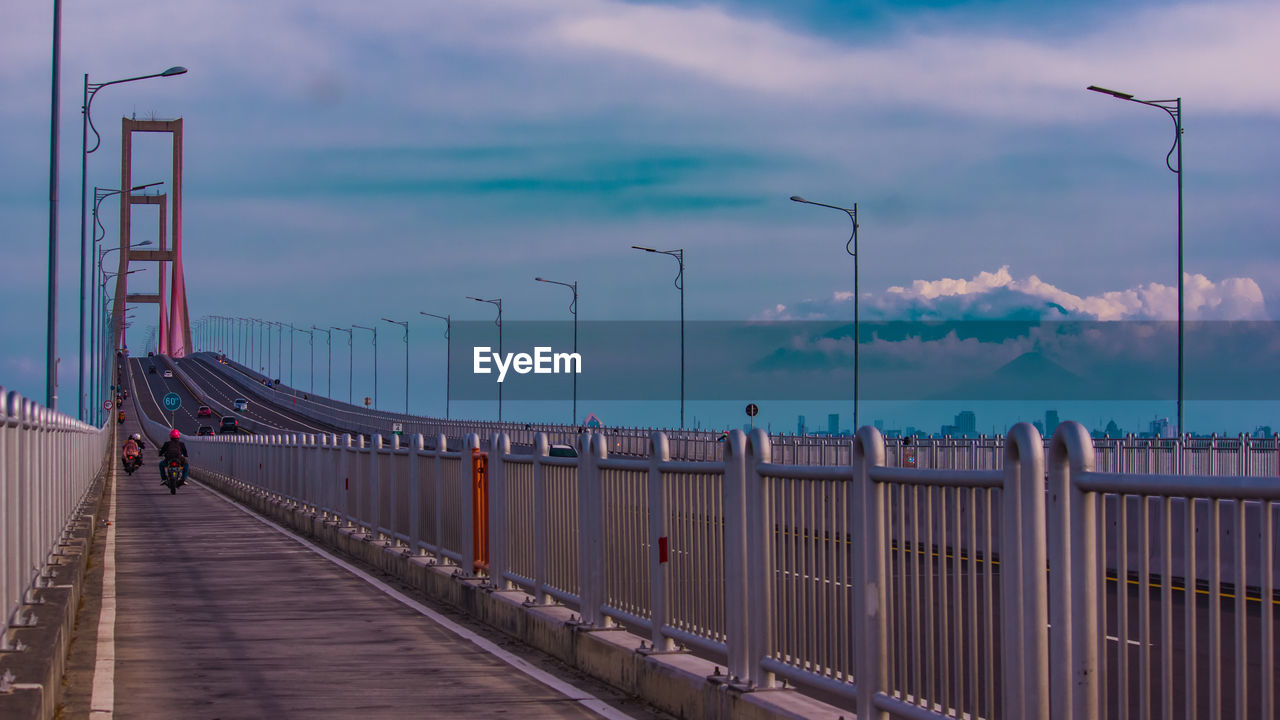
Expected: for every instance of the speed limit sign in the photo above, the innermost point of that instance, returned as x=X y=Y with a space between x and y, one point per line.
x=106 y=404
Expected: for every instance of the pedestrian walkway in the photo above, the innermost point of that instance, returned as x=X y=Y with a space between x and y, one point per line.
x=220 y=615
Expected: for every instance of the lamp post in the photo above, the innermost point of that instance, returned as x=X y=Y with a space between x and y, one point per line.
x=86 y=122
x=448 y=359
x=679 y=283
x=1174 y=109
x=351 y=356
x=328 y=354
x=404 y=324
x=100 y=194
x=851 y=247
x=51 y=323
x=102 y=254
x=498 y=303
x=373 y=330
x=573 y=308
x=311 y=344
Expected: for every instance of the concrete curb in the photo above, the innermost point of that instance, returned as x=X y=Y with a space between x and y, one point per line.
x=678 y=683
x=38 y=669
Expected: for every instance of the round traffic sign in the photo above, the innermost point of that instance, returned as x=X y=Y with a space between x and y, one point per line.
x=752 y=409
x=106 y=404
x=172 y=401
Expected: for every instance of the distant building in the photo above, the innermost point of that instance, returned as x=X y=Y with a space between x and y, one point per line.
x=800 y=425
x=1160 y=428
x=1263 y=431
x=833 y=424
x=966 y=423
x=1113 y=430
x=1039 y=426
x=1050 y=421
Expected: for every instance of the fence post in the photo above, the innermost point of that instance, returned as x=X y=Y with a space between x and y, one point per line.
x=736 y=567
x=590 y=529
x=1024 y=581
x=1073 y=577
x=540 y=451
x=871 y=654
x=415 y=494
x=468 y=550
x=659 y=534
x=442 y=446
x=760 y=540
x=499 y=448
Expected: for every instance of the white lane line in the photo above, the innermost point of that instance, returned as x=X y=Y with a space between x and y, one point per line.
x=102 y=701
x=582 y=697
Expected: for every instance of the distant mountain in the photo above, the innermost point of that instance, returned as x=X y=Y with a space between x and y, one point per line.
x=1030 y=376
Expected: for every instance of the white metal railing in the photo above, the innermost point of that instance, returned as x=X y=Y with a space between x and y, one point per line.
x=1158 y=562
x=907 y=592
x=48 y=461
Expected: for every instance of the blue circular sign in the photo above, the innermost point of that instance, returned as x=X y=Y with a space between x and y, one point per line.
x=172 y=401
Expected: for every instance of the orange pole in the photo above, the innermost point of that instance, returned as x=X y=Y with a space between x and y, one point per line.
x=480 y=507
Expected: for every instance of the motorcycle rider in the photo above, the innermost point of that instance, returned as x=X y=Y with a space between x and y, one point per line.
x=137 y=437
x=173 y=449
x=131 y=452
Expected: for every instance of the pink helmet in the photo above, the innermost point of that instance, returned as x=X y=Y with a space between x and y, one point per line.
x=174 y=434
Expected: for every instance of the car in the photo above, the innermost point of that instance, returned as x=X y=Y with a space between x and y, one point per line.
x=168 y=373
x=562 y=451
x=228 y=425
x=204 y=411
x=151 y=369
x=240 y=404
x=205 y=429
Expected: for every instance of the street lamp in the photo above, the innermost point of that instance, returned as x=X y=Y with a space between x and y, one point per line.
x=573 y=308
x=99 y=194
x=96 y=365
x=328 y=353
x=448 y=356
x=497 y=302
x=311 y=344
x=86 y=122
x=351 y=357
x=373 y=330
x=679 y=283
x=405 y=324
x=1174 y=108
x=851 y=247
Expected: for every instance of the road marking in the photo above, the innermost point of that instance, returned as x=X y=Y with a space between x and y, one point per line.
x=102 y=702
x=578 y=695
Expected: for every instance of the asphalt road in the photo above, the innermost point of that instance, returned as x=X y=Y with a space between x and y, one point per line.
x=224 y=390
x=218 y=615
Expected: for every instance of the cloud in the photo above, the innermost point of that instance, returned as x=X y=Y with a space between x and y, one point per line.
x=1217 y=53
x=1000 y=296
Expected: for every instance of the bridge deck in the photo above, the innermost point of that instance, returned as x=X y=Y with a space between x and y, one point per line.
x=221 y=616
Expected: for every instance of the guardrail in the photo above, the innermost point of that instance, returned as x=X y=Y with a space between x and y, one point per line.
x=48 y=461
x=907 y=591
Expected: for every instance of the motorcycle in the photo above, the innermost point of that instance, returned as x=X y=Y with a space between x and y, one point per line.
x=132 y=462
x=120 y=418
x=173 y=475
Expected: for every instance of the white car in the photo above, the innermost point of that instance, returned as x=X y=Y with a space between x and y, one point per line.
x=168 y=373
x=240 y=404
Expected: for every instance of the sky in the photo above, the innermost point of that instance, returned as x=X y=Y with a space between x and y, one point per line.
x=343 y=166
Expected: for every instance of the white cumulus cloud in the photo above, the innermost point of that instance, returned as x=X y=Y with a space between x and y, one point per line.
x=999 y=295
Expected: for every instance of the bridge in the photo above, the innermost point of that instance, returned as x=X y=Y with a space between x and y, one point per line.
x=316 y=565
